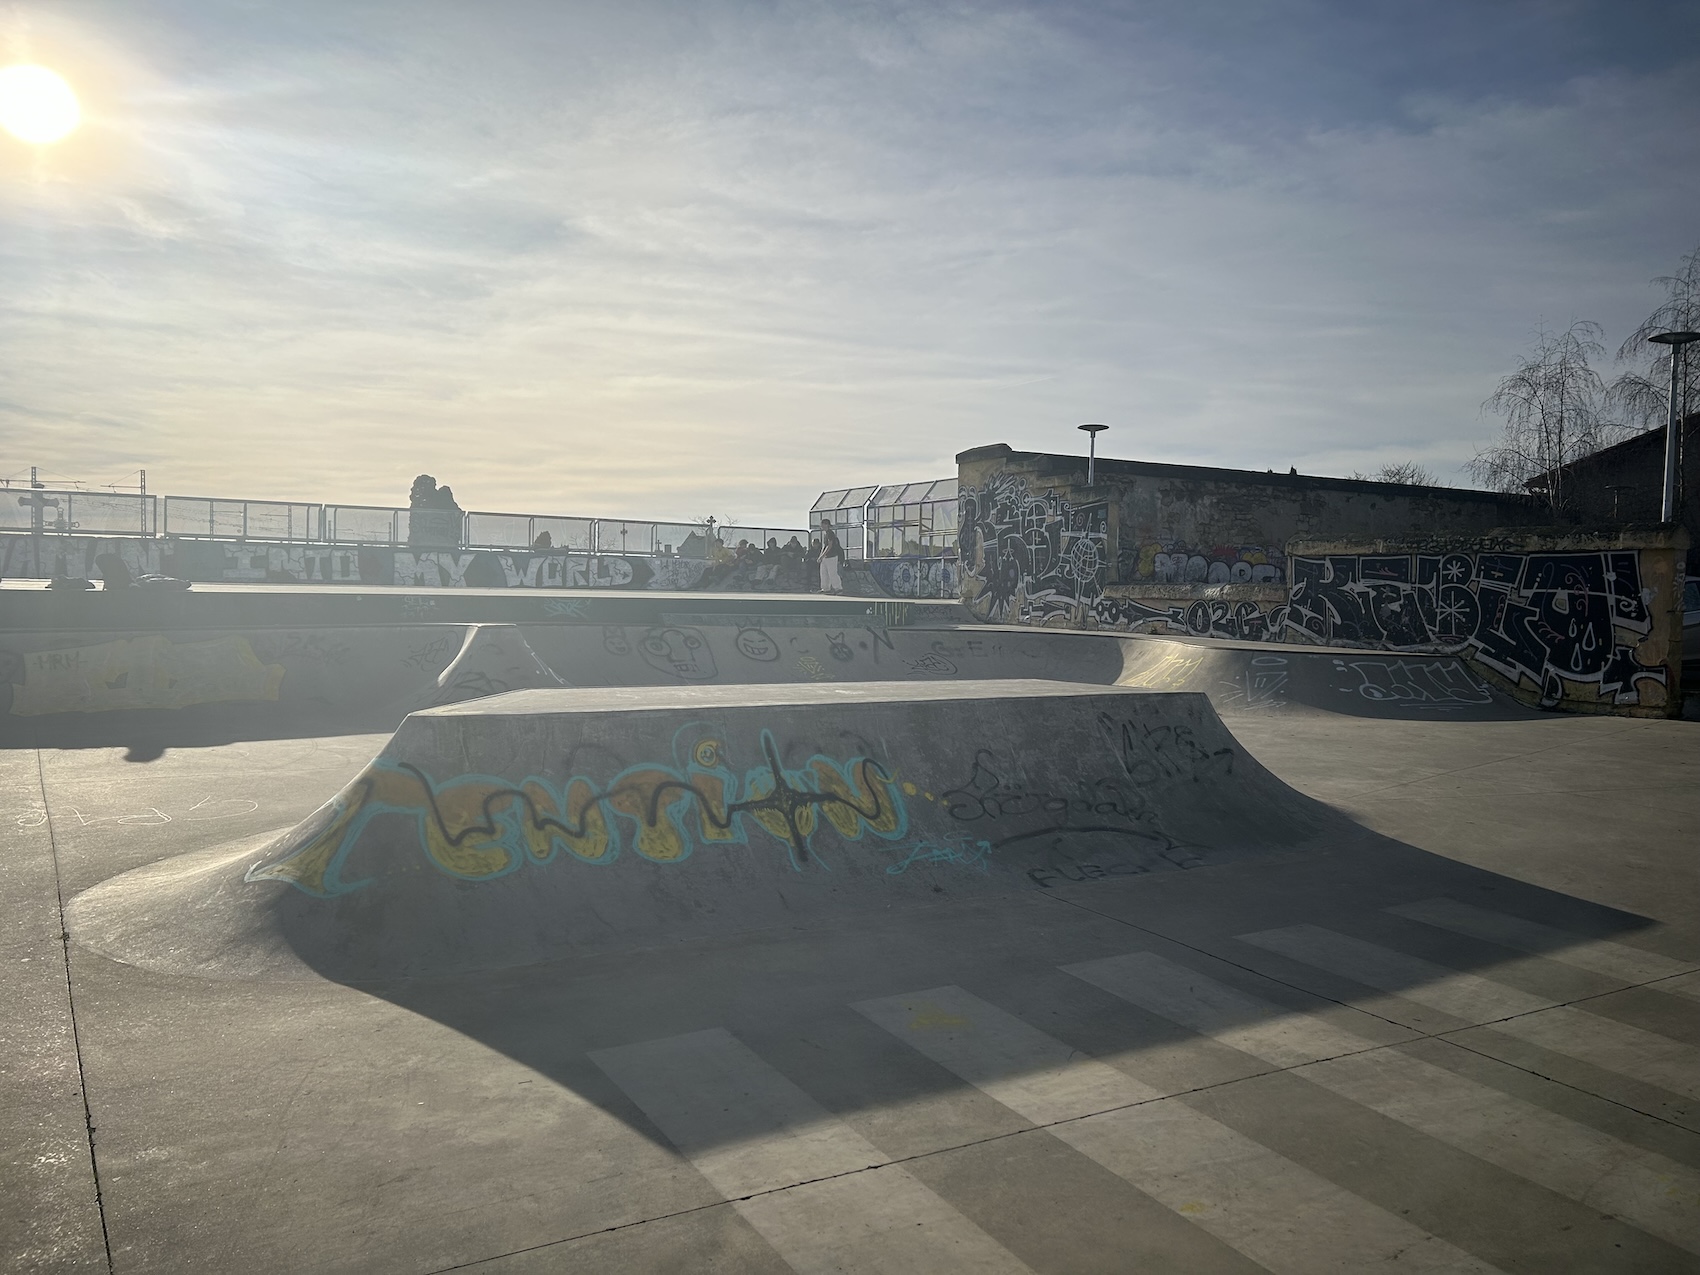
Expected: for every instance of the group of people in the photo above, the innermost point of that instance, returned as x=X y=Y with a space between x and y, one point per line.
x=824 y=555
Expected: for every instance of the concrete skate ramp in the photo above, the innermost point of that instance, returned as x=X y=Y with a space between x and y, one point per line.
x=532 y=825
x=60 y=685
x=764 y=651
x=493 y=659
x=1263 y=678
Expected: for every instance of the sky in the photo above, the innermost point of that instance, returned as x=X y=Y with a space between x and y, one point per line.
x=673 y=259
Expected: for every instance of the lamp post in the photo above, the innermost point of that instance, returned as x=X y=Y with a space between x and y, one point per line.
x=1092 y=432
x=1676 y=340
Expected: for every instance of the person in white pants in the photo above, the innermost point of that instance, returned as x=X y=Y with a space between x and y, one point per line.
x=831 y=552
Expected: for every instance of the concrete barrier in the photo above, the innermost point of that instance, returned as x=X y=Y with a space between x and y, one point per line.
x=532 y=825
x=54 y=681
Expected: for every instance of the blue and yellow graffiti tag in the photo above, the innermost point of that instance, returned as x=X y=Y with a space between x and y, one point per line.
x=477 y=827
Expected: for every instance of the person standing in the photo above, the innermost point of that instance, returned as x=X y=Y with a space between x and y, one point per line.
x=831 y=553
x=811 y=563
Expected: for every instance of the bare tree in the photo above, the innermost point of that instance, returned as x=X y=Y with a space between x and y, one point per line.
x=1643 y=393
x=1408 y=472
x=1554 y=407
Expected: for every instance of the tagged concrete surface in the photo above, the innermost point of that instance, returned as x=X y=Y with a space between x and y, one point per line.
x=524 y=826
x=66 y=688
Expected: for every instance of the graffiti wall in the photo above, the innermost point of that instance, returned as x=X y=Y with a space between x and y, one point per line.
x=1579 y=628
x=1562 y=627
x=476 y=828
x=1031 y=556
x=757 y=808
x=1177 y=562
x=215 y=561
x=1239 y=619
x=915 y=577
x=75 y=555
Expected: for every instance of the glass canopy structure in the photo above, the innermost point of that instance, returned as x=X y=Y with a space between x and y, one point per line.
x=901 y=520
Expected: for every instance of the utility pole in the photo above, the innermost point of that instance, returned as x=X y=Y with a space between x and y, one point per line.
x=1673 y=423
x=36 y=503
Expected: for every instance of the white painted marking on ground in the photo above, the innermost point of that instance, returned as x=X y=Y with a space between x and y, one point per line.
x=751 y=1132
x=1615 y=960
x=1023 y=1068
x=1276 y=1212
x=1605 y=1042
x=1465 y=996
x=1647 y=1190
x=1247 y=1023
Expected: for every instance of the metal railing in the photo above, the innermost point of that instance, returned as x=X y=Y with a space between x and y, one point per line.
x=97 y=513
x=196 y=517
x=64 y=512
x=523 y=531
x=365 y=525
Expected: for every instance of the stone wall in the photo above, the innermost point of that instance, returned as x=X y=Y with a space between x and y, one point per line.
x=1039 y=546
x=1560 y=617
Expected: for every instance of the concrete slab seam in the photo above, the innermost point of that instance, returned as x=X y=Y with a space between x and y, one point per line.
x=71 y=1007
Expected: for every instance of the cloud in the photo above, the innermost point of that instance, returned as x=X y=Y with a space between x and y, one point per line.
x=655 y=259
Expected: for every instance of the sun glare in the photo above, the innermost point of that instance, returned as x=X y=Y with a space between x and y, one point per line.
x=36 y=105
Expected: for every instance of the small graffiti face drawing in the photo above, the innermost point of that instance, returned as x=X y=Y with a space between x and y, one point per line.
x=756 y=645
x=681 y=653
x=614 y=641
x=932 y=665
x=839 y=647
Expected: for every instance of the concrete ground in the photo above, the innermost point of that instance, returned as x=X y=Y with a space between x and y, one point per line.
x=1471 y=1046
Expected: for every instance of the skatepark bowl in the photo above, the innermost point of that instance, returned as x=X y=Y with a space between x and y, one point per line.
x=800 y=936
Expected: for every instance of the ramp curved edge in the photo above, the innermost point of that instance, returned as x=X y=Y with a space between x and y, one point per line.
x=534 y=825
x=1264 y=678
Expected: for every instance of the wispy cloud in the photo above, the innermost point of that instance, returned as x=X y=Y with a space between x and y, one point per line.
x=654 y=258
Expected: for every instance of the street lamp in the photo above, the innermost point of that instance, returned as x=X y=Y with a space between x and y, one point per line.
x=1676 y=340
x=1092 y=432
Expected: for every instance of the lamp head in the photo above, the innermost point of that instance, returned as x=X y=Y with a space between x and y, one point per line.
x=1664 y=338
x=1099 y=429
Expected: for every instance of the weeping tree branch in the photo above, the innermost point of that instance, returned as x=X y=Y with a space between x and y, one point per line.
x=1554 y=406
x=1642 y=393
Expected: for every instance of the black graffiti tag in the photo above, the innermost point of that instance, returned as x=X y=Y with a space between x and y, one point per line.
x=1151 y=754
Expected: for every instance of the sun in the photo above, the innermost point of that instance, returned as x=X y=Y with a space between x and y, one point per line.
x=36 y=105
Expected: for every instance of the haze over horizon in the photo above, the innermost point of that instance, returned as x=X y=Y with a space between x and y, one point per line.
x=663 y=260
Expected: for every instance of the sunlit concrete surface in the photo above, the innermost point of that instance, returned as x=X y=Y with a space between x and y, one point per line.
x=1459 y=1032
